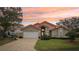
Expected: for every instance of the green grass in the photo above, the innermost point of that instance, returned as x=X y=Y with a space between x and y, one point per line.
x=6 y=40
x=56 y=45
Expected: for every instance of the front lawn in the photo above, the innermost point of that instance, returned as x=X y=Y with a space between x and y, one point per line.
x=6 y=40
x=57 y=45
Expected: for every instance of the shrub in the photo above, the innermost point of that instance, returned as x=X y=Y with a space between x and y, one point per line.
x=72 y=34
x=60 y=38
x=45 y=37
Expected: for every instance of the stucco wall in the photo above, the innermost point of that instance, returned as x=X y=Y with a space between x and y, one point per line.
x=55 y=33
x=60 y=32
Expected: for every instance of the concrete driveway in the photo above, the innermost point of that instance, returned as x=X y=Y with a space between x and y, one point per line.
x=20 y=45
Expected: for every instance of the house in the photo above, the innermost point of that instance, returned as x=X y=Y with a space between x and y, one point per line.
x=35 y=31
x=18 y=31
x=15 y=30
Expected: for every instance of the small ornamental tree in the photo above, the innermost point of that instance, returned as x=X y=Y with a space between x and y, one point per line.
x=72 y=35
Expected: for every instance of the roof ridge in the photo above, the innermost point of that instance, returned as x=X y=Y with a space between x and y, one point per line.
x=36 y=23
x=48 y=23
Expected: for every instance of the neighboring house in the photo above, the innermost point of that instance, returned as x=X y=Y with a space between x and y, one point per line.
x=34 y=31
x=16 y=29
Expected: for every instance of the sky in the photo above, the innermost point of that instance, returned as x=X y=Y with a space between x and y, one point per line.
x=32 y=15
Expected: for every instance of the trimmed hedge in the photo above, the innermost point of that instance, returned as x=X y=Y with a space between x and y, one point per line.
x=48 y=37
x=59 y=38
x=45 y=37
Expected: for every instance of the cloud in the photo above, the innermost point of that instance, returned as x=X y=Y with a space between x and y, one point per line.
x=27 y=23
x=62 y=14
x=51 y=14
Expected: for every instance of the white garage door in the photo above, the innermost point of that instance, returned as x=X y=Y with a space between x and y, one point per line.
x=31 y=35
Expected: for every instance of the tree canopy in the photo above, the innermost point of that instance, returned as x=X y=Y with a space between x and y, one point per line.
x=71 y=22
x=10 y=16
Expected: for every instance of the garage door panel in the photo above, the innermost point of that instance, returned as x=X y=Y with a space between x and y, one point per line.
x=31 y=35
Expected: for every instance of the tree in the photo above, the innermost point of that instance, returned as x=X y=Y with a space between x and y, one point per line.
x=73 y=25
x=10 y=16
x=71 y=35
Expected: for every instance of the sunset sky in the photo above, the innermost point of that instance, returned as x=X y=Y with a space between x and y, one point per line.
x=33 y=15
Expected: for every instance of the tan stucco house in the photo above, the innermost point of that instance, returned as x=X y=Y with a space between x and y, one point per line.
x=34 y=31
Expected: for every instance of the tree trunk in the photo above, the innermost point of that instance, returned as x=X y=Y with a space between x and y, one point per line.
x=4 y=33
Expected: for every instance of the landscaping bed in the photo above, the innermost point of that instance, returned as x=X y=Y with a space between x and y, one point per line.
x=57 y=45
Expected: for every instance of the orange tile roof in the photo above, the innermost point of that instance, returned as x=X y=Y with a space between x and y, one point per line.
x=49 y=25
x=60 y=26
x=30 y=26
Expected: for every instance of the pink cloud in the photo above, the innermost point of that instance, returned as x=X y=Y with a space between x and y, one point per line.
x=51 y=14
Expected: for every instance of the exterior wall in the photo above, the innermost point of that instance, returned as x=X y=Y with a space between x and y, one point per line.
x=47 y=31
x=60 y=32
x=64 y=33
x=55 y=33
